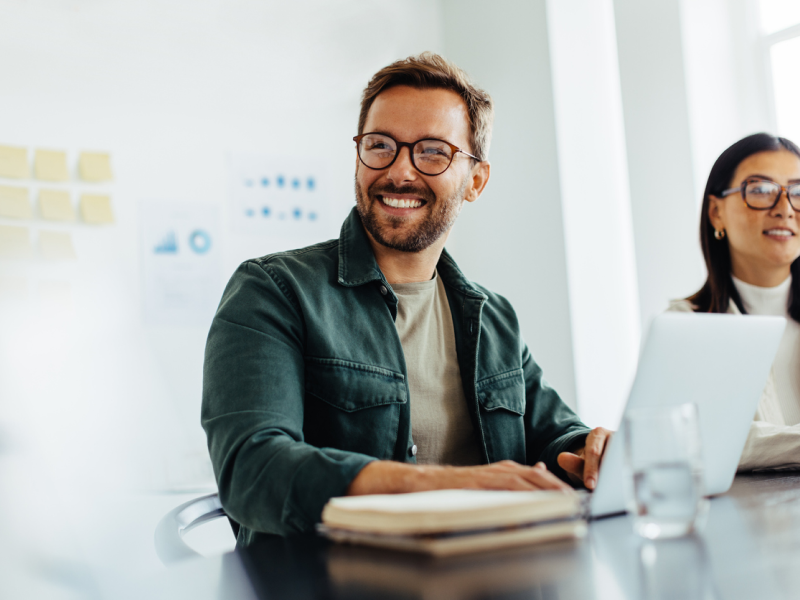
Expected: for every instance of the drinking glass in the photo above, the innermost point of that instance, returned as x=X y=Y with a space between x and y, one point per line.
x=663 y=455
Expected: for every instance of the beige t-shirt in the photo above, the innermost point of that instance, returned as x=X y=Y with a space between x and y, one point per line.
x=441 y=427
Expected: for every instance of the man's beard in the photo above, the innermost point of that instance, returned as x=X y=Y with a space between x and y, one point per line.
x=442 y=216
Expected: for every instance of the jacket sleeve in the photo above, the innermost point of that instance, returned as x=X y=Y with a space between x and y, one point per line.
x=253 y=390
x=771 y=447
x=551 y=426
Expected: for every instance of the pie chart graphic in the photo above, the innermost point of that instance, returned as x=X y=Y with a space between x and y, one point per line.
x=200 y=241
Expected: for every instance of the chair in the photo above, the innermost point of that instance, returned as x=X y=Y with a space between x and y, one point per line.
x=170 y=530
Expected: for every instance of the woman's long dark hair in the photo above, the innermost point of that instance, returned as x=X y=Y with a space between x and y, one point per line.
x=718 y=290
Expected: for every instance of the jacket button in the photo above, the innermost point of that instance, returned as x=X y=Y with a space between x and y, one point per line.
x=414 y=450
x=384 y=291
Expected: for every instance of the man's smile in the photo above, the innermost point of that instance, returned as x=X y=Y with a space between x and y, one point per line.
x=400 y=205
x=401 y=201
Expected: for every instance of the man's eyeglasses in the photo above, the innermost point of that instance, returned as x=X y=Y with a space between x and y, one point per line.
x=763 y=194
x=429 y=157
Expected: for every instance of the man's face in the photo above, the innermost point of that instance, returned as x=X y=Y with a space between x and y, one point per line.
x=428 y=205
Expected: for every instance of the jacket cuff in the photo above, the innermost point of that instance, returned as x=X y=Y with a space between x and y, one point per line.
x=566 y=443
x=324 y=475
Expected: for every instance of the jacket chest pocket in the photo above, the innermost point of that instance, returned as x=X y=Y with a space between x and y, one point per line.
x=352 y=406
x=502 y=404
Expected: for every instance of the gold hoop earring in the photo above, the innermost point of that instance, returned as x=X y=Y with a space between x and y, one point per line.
x=719 y=233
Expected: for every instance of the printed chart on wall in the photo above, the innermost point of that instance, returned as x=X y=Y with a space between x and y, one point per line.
x=181 y=262
x=279 y=197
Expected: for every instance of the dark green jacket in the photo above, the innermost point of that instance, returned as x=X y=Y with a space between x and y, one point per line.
x=304 y=381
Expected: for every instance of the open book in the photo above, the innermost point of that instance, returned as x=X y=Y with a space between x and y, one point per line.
x=445 y=522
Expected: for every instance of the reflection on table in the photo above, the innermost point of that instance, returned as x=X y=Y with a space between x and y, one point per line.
x=749 y=549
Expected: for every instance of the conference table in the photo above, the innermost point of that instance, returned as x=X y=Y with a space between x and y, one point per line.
x=749 y=548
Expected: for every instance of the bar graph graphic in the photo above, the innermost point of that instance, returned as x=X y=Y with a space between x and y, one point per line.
x=168 y=245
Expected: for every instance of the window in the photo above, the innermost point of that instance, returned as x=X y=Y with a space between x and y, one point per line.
x=780 y=25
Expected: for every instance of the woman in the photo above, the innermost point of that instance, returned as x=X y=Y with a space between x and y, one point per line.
x=750 y=234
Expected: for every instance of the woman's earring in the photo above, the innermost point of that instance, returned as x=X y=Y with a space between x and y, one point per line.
x=719 y=233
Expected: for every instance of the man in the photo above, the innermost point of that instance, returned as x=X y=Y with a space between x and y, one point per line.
x=370 y=364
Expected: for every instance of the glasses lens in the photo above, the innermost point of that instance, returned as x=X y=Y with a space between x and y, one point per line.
x=432 y=156
x=376 y=150
x=794 y=196
x=761 y=194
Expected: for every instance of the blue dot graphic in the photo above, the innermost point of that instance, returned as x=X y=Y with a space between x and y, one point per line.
x=248 y=182
x=281 y=181
x=310 y=183
x=296 y=183
x=297 y=213
x=312 y=216
x=250 y=212
x=265 y=182
x=265 y=211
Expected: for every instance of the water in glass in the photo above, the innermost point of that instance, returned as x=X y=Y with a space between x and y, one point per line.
x=666 y=497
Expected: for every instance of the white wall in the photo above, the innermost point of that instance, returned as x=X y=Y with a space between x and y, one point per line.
x=512 y=238
x=168 y=87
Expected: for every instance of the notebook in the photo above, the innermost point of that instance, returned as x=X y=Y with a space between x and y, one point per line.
x=449 y=522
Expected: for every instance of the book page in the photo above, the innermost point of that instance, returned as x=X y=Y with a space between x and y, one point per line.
x=441 y=500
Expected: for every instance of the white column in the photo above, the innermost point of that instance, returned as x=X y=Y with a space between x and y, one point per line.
x=598 y=230
x=728 y=89
x=660 y=153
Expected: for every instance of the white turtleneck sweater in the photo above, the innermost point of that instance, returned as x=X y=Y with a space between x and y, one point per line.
x=786 y=366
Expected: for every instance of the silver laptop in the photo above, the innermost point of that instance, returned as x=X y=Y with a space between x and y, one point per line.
x=719 y=362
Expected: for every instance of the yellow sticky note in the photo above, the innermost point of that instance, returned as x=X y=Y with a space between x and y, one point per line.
x=95 y=166
x=55 y=294
x=14 y=202
x=14 y=162
x=56 y=205
x=13 y=288
x=51 y=165
x=96 y=209
x=56 y=245
x=15 y=242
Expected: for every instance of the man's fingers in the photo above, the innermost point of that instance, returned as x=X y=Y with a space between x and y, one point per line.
x=571 y=463
x=508 y=475
x=544 y=479
x=593 y=453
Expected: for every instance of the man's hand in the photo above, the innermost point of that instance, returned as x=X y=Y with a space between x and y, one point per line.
x=387 y=477
x=583 y=465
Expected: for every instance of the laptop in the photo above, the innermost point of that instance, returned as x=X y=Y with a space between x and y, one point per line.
x=719 y=362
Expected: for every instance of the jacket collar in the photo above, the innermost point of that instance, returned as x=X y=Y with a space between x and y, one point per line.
x=357 y=264
x=451 y=275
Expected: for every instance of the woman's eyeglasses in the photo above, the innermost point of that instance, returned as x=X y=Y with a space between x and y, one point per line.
x=763 y=194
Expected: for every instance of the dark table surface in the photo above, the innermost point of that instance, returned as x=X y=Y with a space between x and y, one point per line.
x=749 y=548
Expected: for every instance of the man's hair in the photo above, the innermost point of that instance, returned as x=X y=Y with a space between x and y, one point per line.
x=431 y=71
